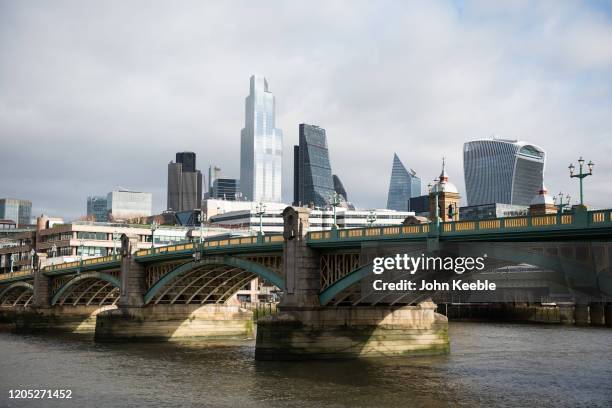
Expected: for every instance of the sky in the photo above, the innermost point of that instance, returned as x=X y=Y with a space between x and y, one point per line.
x=96 y=95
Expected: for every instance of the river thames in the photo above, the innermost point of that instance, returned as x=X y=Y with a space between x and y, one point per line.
x=505 y=365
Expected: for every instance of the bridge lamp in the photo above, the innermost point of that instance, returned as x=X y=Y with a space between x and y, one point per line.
x=153 y=228
x=371 y=218
x=115 y=243
x=437 y=205
x=581 y=174
x=260 y=211
x=32 y=253
x=54 y=252
x=335 y=202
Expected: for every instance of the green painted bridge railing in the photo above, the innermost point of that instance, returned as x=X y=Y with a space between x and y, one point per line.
x=578 y=220
x=211 y=244
x=84 y=264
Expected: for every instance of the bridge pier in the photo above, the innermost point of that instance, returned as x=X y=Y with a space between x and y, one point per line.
x=608 y=314
x=596 y=314
x=581 y=314
x=304 y=329
x=350 y=332
x=174 y=322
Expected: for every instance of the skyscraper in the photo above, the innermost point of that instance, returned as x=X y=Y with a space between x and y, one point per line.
x=314 y=182
x=403 y=185
x=184 y=183
x=502 y=171
x=214 y=172
x=16 y=210
x=261 y=146
x=339 y=188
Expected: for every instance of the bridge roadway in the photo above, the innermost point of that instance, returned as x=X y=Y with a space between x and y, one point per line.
x=325 y=271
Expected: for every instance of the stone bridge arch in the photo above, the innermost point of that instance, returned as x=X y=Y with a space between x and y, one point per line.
x=210 y=280
x=16 y=294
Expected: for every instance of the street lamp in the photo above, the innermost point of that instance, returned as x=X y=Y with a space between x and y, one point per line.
x=82 y=247
x=260 y=211
x=581 y=174
x=115 y=243
x=53 y=252
x=437 y=205
x=32 y=253
x=335 y=203
x=560 y=203
x=153 y=228
x=371 y=218
x=200 y=219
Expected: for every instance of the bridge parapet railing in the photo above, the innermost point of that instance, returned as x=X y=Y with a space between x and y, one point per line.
x=369 y=232
x=598 y=218
x=213 y=244
x=82 y=263
x=24 y=273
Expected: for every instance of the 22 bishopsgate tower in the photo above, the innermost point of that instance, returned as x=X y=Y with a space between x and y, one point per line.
x=261 y=146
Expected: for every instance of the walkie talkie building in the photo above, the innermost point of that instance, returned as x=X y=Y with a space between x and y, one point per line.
x=502 y=171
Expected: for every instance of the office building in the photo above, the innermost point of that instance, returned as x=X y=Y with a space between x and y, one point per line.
x=226 y=189
x=123 y=205
x=214 y=172
x=19 y=211
x=184 y=183
x=339 y=188
x=403 y=185
x=96 y=208
x=261 y=146
x=319 y=219
x=314 y=183
x=502 y=171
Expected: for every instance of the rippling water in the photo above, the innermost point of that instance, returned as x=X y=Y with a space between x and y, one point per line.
x=489 y=365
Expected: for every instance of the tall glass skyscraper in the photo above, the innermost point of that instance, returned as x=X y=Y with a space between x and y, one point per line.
x=261 y=146
x=313 y=179
x=502 y=171
x=403 y=185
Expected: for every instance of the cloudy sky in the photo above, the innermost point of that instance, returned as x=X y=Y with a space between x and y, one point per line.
x=100 y=94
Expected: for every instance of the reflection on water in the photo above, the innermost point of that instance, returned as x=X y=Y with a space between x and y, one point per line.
x=489 y=365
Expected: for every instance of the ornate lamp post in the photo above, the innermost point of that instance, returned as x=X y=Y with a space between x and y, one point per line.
x=437 y=204
x=54 y=252
x=201 y=220
x=562 y=204
x=581 y=175
x=82 y=247
x=335 y=202
x=153 y=228
x=260 y=211
x=32 y=253
x=114 y=243
x=371 y=218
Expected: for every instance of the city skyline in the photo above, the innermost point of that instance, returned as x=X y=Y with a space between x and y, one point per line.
x=127 y=97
